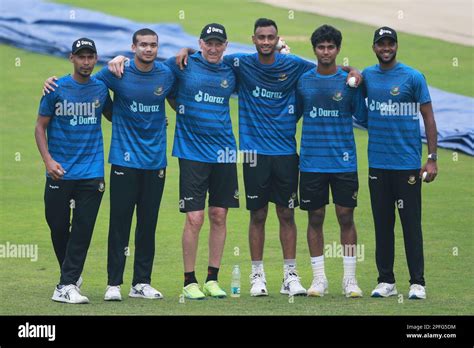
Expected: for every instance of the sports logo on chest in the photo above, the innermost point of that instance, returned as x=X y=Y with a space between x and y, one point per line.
x=282 y=77
x=158 y=91
x=337 y=96
x=224 y=83
x=395 y=90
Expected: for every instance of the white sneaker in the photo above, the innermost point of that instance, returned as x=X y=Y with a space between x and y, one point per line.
x=350 y=287
x=384 y=290
x=258 y=283
x=319 y=287
x=417 y=292
x=291 y=285
x=112 y=293
x=79 y=282
x=145 y=291
x=69 y=294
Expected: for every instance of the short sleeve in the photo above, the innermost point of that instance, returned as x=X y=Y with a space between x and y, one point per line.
x=173 y=93
x=233 y=60
x=422 y=94
x=108 y=106
x=171 y=63
x=299 y=100
x=359 y=107
x=47 y=105
x=303 y=64
x=106 y=77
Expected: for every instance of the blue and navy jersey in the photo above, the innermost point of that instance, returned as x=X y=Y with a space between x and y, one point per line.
x=139 y=119
x=393 y=98
x=267 y=110
x=328 y=105
x=74 y=131
x=203 y=124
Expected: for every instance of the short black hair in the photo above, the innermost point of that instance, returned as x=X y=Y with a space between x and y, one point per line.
x=326 y=33
x=142 y=32
x=264 y=22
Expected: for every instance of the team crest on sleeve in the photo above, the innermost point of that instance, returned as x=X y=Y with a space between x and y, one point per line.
x=337 y=96
x=395 y=90
x=224 y=83
x=158 y=90
x=282 y=77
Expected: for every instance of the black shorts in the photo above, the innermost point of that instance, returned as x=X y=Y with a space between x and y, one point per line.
x=272 y=179
x=314 y=189
x=196 y=178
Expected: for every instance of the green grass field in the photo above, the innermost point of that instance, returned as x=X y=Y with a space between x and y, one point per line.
x=26 y=287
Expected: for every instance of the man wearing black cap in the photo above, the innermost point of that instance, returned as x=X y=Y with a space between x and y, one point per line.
x=206 y=148
x=396 y=94
x=203 y=137
x=74 y=158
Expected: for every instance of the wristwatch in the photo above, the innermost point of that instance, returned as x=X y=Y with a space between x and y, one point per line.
x=433 y=156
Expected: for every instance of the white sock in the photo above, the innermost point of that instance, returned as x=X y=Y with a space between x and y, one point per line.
x=289 y=265
x=317 y=264
x=349 y=263
x=257 y=265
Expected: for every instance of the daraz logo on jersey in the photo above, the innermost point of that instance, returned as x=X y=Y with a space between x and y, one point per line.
x=134 y=107
x=263 y=93
x=200 y=96
x=82 y=113
x=373 y=105
x=315 y=112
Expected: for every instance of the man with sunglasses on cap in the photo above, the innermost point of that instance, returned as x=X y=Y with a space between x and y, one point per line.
x=69 y=138
x=203 y=138
x=396 y=94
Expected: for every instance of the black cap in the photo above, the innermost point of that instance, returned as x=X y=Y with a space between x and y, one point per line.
x=380 y=33
x=213 y=31
x=82 y=43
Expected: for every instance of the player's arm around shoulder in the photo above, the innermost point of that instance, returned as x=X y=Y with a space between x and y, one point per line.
x=234 y=60
x=117 y=65
x=359 y=106
x=50 y=85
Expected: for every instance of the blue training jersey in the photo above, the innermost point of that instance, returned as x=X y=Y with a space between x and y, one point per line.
x=74 y=131
x=203 y=124
x=139 y=119
x=327 y=105
x=394 y=97
x=267 y=110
